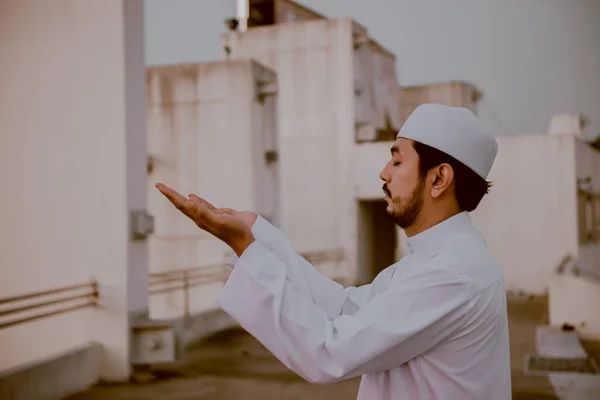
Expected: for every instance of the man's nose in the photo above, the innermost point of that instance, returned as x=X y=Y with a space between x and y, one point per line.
x=384 y=174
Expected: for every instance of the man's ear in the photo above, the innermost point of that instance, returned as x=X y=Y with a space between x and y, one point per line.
x=442 y=178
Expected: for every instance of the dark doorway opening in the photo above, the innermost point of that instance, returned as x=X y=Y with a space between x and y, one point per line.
x=377 y=240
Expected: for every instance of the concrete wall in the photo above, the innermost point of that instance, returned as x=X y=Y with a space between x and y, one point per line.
x=314 y=65
x=368 y=161
x=587 y=161
x=207 y=134
x=530 y=217
x=71 y=151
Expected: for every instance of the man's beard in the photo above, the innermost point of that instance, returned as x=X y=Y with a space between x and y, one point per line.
x=405 y=212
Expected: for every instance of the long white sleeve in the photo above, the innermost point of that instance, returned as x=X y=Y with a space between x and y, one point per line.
x=392 y=328
x=332 y=297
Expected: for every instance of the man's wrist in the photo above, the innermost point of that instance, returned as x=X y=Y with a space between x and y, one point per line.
x=243 y=244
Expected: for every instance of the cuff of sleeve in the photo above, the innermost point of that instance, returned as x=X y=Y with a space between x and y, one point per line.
x=259 y=230
x=256 y=260
x=232 y=259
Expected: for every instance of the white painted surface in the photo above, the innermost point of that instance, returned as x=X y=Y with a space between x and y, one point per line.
x=568 y=124
x=529 y=218
x=588 y=165
x=551 y=341
x=369 y=160
x=207 y=134
x=313 y=62
x=574 y=300
x=242 y=7
x=576 y=386
x=70 y=132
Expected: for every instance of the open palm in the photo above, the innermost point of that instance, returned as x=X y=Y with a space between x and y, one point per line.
x=232 y=227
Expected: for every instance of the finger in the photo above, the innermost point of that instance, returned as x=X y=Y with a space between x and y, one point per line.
x=174 y=197
x=205 y=215
x=202 y=206
x=210 y=206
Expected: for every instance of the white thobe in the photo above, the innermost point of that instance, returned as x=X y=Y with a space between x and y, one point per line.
x=431 y=326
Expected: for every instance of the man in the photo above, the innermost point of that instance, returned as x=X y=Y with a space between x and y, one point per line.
x=431 y=326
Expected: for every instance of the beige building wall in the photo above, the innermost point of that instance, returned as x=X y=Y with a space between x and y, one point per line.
x=211 y=128
x=530 y=217
x=72 y=158
x=313 y=61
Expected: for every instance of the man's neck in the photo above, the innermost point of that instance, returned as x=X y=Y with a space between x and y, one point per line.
x=426 y=220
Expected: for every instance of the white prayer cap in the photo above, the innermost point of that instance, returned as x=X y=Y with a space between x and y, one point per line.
x=455 y=131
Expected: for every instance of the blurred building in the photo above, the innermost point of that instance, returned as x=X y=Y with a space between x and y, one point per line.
x=73 y=259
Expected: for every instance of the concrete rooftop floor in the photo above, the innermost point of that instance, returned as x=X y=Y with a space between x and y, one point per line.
x=232 y=365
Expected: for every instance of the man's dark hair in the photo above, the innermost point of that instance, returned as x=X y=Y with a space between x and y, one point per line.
x=469 y=187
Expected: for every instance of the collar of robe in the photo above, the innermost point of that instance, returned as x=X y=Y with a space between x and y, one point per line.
x=439 y=235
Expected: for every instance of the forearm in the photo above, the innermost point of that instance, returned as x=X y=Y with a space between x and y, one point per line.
x=262 y=306
x=323 y=291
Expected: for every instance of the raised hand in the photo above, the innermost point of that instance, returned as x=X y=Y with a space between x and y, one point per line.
x=247 y=216
x=225 y=224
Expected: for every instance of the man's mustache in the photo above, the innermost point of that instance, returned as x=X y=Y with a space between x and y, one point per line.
x=386 y=190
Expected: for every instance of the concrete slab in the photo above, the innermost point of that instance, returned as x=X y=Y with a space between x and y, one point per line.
x=571 y=386
x=554 y=342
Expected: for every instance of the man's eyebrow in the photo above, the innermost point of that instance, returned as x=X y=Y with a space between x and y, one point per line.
x=395 y=150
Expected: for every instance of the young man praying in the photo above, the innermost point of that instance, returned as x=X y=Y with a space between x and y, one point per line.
x=431 y=326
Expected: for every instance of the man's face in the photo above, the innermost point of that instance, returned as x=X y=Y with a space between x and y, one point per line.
x=403 y=184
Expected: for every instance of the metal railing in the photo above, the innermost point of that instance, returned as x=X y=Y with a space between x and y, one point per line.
x=186 y=279
x=83 y=295
x=586 y=274
x=568 y=266
x=29 y=307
